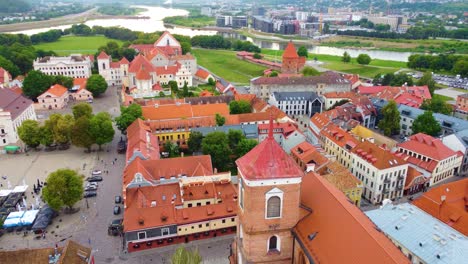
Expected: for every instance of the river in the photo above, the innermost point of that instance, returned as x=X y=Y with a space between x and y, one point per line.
x=155 y=23
x=147 y=25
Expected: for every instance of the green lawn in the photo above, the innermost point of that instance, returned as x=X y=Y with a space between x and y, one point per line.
x=443 y=97
x=225 y=64
x=76 y=44
x=334 y=63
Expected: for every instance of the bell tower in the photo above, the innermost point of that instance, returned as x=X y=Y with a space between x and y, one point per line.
x=269 y=197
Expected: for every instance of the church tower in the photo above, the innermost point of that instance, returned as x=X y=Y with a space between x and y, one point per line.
x=269 y=197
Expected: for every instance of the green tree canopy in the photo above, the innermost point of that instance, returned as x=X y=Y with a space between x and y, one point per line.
x=184 y=256
x=427 y=124
x=309 y=71
x=65 y=81
x=47 y=136
x=363 y=59
x=171 y=148
x=35 y=84
x=273 y=74
x=29 y=133
x=220 y=120
x=390 y=123
x=426 y=79
x=461 y=67
x=437 y=105
x=302 y=51
x=101 y=128
x=216 y=144
x=81 y=134
x=60 y=126
x=257 y=56
x=234 y=137
x=9 y=66
x=346 y=57
x=96 y=84
x=64 y=188
x=244 y=146
x=82 y=109
x=127 y=116
x=194 y=141
x=239 y=107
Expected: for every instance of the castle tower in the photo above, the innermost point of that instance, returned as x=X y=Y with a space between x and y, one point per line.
x=292 y=63
x=269 y=197
x=103 y=61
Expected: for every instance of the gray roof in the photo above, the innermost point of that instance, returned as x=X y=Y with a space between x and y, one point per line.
x=409 y=111
x=13 y=102
x=378 y=102
x=250 y=131
x=294 y=96
x=425 y=236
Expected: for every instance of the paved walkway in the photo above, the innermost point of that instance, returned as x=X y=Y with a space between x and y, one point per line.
x=450 y=92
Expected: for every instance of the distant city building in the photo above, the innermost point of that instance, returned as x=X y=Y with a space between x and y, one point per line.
x=14 y=110
x=258 y=11
x=393 y=21
x=302 y=16
x=287 y=28
x=231 y=21
x=75 y=65
x=262 y=24
x=206 y=11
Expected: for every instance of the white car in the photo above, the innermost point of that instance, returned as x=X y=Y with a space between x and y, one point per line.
x=91 y=184
x=96 y=172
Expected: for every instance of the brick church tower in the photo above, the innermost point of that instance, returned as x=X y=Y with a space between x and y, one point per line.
x=292 y=63
x=269 y=197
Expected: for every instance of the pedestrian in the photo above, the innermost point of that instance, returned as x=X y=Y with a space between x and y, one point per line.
x=115 y=159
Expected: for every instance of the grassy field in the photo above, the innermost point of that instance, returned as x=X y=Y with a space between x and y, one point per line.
x=225 y=64
x=443 y=97
x=334 y=63
x=76 y=44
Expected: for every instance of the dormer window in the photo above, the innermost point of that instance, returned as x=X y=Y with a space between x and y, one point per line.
x=138 y=177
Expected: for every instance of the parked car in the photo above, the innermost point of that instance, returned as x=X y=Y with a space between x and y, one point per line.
x=96 y=172
x=115 y=227
x=90 y=188
x=94 y=179
x=88 y=194
x=91 y=184
x=116 y=210
x=118 y=199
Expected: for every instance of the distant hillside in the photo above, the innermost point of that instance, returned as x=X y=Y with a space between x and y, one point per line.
x=14 y=6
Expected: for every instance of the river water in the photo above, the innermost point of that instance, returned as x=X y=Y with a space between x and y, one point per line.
x=155 y=23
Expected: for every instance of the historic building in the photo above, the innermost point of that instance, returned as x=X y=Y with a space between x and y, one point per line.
x=75 y=65
x=297 y=103
x=113 y=72
x=56 y=97
x=292 y=63
x=14 y=109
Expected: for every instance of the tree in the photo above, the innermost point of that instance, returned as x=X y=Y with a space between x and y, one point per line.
x=211 y=81
x=390 y=123
x=234 y=136
x=273 y=74
x=101 y=129
x=461 y=67
x=194 y=141
x=346 y=57
x=127 y=116
x=437 y=105
x=172 y=149
x=239 y=107
x=96 y=84
x=257 y=56
x=35 y=84
x=81 y=134
x=184 y=256
x=302 y=51
x=62 y=80
x=216 y=145
x=174 y=87
x=82 y=109
x=427 y=124
x=9 y=66
x=244 y=146
x=220 y=120
x=63 y=129
x=426 y=79
x=64 y=188
x=341 y=102
x=309 y=71
x=186 y=47
x=363 y=59
x=29 y=133
x=401 y=79
x=47 y=136
x=185 y=91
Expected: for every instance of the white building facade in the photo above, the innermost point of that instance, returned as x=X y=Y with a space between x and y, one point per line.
x=75 y=66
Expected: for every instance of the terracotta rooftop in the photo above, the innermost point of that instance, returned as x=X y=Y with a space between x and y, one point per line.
x=339 y=136
x=80 y=82
x=307 y=153
x=448 y=203
x=336 y=231
x=411 y=176
x=377 y=156
x=268 y=160
x=56 y=90
x=124 y=61
x=202 y=74
x=290 y=51
x=13 y=102
x=143 y=74
x=346 y=95
x=103 y=55
x=178 y=111
x=326 y=77
x=339 y=176
x=141 y=139
x=138 y=62
x=428 y=146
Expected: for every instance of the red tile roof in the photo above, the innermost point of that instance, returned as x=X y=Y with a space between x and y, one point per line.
x=339 y=176
x=448 y=203
x=202 y=74
x=167 y=69
x=138 y=62
x=268 y=160
x=103 y=55
x=377 y=156
x=57 y=90
x=143 y=74
x=353 y=78
x=347 y=95
x=124 y=61
x=81 y=82
x=339 y=136
x=342 y=232
x=327 y=77
x=411 y=176
x=366 y=90
x=290 y=51
x=178 y=111
x=141 y=139
x=307 y=153
x=428 y=146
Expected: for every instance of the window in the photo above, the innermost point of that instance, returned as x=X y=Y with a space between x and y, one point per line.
x=165 y=231
x=141 y=235
x=223 y=221
x=274 y=207
x=273 y=244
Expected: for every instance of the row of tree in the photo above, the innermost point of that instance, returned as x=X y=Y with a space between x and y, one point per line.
x=451 y=63
x=416 y=32
x=362 y=59
x=82 y=129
